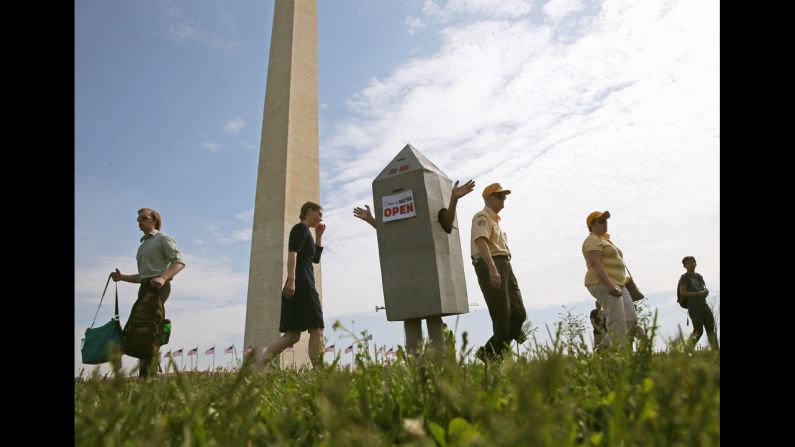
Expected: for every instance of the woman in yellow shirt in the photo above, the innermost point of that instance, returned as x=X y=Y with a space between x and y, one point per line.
x=605 y=279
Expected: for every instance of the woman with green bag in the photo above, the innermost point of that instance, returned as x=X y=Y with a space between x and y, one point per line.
x=158 y=262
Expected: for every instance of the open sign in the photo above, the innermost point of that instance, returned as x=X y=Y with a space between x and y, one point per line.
x=398 y=206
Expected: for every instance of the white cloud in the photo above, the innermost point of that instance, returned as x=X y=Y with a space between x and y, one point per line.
x=444 y=11
x=237 y=236
x=234 y=125
x=182 y=30
x=219 y=32
x=414 y=24
x=557 y=9
x=245 y=215
x=211 y=146
x=615 y=119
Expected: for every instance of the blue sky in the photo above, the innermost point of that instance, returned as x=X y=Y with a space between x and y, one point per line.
x=574 y=105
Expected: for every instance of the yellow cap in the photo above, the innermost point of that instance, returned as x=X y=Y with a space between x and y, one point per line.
x=596 y=215
x=494 y=187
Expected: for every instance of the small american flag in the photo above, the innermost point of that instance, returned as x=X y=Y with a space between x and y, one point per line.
x=229 y=350
x=247 y=350
x=210 y=351
x=177 y=353
x=391 y=352
x=329 y=349
x=349 y=349
x=194 y=351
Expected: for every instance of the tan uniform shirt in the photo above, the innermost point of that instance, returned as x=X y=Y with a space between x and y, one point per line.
x=486 y=224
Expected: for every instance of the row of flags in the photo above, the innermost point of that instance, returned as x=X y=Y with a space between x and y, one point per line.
x=195 y=351
x=231 y=349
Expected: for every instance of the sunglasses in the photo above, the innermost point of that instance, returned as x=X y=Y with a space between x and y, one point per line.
x=143 y=218
x=600 y=221
x=500 y=195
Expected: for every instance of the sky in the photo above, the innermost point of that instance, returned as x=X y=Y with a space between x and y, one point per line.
x=574 y=105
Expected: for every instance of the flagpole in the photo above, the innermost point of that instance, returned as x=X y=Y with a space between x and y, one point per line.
x=182 y=358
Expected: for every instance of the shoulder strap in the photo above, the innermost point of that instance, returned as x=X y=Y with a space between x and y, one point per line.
x=116 y=315
x=678 y=294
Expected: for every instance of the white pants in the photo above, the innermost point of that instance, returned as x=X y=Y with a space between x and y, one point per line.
x=619 y=313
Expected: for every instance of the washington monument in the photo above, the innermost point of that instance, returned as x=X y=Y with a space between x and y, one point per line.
x=288 y=173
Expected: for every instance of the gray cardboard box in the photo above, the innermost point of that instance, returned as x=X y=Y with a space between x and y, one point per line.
x=422 y=269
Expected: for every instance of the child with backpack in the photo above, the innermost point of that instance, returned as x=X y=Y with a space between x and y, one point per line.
x=692 y=294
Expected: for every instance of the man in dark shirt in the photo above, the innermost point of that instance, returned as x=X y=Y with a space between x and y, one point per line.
x=693 y=289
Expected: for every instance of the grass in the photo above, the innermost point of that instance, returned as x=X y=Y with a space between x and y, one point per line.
x=557 y=394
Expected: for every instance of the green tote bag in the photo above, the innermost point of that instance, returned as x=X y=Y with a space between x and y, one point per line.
x=101 y=342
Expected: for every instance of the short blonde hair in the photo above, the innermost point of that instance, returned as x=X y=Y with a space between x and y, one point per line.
x=155 y=217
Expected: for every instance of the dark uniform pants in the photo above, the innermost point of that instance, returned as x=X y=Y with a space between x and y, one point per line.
x=505 y=304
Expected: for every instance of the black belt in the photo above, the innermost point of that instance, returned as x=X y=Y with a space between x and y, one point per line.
x=506 y=257
x=146 y=280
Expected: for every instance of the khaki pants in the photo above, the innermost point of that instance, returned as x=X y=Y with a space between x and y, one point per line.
x=619 y=313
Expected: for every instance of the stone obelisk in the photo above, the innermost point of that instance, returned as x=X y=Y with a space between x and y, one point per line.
x=288 y=173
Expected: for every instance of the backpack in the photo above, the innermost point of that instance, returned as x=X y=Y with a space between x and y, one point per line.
x=679 y=298
x=142 y=333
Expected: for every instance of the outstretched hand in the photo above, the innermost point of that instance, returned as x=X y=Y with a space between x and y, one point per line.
x=363 y=214
x=461 y=191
